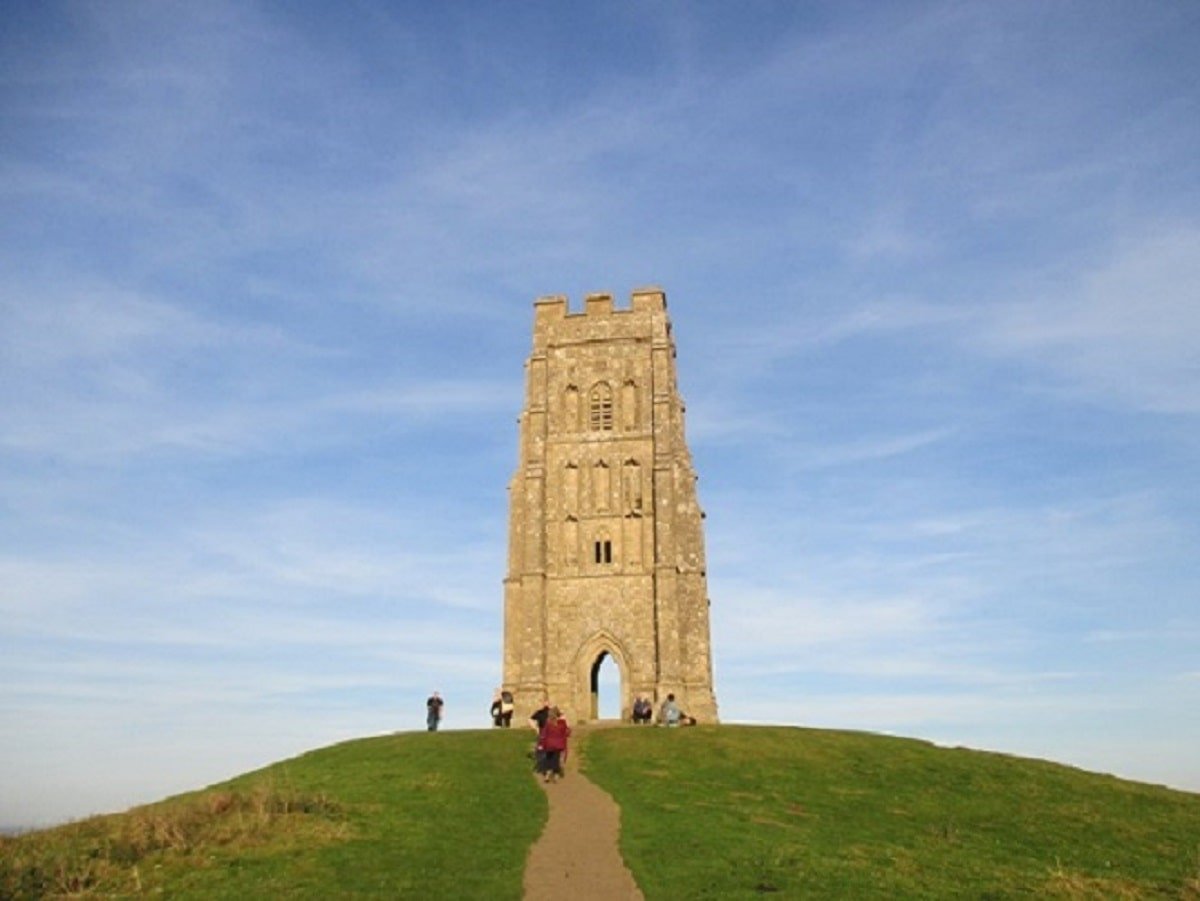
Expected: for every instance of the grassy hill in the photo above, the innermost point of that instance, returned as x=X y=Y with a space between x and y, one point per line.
x=741 y=812
x=720 y=812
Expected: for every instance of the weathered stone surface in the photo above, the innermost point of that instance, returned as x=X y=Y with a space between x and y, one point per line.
x=606 y=545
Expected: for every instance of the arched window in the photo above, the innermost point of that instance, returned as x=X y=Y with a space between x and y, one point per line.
x=600 y=408
x=602 y=547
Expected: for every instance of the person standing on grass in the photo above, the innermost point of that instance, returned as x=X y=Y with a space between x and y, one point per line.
x=433 y=712
x=537 y=722
x=553 y=739
x=537 y=719
x=502 y=709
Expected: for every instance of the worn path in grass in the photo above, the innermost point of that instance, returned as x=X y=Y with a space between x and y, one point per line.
x=577 y=856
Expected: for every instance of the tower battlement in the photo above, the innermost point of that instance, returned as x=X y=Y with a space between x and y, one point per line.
x=553 y=307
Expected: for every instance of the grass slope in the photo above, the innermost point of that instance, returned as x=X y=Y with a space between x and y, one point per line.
x=446 y=815
x=710 y=812
x=724 y=812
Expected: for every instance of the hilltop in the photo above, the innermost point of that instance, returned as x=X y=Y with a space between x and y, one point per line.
x=707 y=812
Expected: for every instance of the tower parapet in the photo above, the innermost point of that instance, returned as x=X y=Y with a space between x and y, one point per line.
x=641 y=300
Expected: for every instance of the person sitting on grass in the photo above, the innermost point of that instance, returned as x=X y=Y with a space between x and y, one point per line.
x=642 y=711
x=669 y=713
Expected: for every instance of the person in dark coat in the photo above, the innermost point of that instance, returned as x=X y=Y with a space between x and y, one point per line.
x=433 y=712
x=538 y=722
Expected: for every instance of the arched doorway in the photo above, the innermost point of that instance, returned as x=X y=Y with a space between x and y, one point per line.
x=606 y=693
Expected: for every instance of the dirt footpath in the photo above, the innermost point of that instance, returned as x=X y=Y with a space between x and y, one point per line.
x=577 y=856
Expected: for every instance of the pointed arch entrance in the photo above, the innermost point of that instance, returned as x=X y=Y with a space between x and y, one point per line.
x=590 y=681
x=606 y=688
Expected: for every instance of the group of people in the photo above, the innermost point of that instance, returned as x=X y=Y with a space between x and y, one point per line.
x=669 y=713
x=550 y=751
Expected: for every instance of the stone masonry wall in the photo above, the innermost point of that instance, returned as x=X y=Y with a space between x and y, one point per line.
x=606 y=549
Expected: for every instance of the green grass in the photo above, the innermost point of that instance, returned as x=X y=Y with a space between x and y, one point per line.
x=405 y=816
x=721 y=812
x=710 y=812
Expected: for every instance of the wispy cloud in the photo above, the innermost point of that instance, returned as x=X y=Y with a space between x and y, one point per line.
x=101 y=375
x=1123 y=331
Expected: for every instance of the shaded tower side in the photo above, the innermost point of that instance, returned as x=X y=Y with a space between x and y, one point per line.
x=606 y=550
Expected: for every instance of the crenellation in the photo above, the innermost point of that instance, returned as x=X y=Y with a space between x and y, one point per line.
x=649 y=300
x=550 y=307
x=598 y=305
x=556 y=308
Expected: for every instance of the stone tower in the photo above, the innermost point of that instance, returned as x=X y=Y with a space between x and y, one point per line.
x=606 y=545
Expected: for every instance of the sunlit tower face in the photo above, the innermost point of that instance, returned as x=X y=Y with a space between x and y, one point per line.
x=606 y=550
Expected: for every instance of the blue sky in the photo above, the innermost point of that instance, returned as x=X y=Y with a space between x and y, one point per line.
x=266 y=284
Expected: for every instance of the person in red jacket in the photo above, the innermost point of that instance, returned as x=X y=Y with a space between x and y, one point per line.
x=553 y=742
